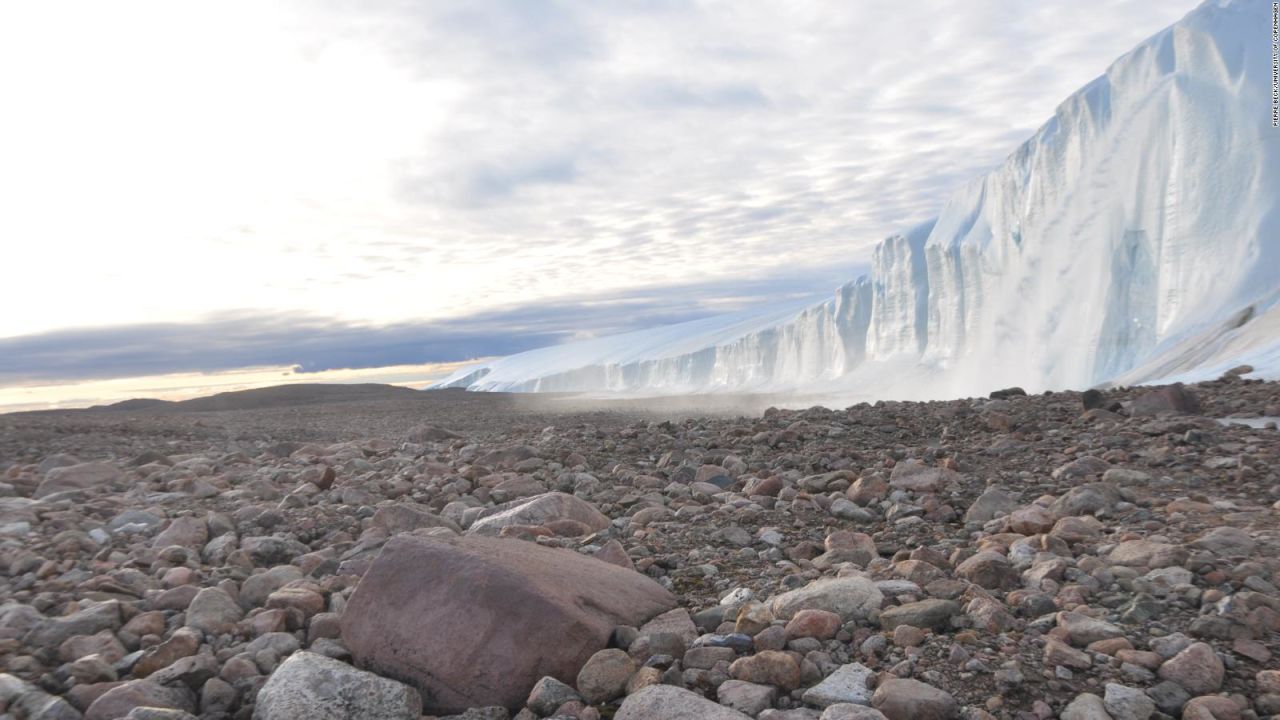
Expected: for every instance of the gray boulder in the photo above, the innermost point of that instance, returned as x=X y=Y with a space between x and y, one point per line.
x=538 y=510
x=77 y=477
x=852 y=598
x=316 y=687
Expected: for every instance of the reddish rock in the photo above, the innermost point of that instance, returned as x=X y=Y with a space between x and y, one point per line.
x=768 y=487
x=188 y=532
x=102 y=643
x=404 y=517
x=1211 y=707
x=183 y=643
x=1174 y=399
x=819 y=624
x=119 y=700
x=478 y=621
x=605 y=676
x=613 y=553
x=1031 y=520
x=769 y=667
x=307 y=601
x=848 y=545
x=988 y=570
x=430 y=433
x=901 y=699
x=672 y=703
x=569 y=528
x=867 y=490
x=1147 y=553
x=1198 y=669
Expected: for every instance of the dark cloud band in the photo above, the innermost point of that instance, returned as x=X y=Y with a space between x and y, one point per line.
x=312 y=344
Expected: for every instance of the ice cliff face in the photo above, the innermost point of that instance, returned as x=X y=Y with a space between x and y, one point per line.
x=1134 y=237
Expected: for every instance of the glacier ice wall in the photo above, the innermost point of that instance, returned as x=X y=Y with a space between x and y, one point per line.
x=1135 y=229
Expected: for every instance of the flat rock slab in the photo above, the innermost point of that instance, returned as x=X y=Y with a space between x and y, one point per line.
x=477 y=621
x=848 y=684
x=932 y=613
x=667 y=702
x=539 y=510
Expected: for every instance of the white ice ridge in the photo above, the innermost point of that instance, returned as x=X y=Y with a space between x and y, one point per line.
x=1133 y=238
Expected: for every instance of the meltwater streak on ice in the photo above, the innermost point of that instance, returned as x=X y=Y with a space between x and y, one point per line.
x=1133 y=238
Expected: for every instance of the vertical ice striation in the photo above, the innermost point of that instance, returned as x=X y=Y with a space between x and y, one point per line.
x=899 y=296
x=1136 y=235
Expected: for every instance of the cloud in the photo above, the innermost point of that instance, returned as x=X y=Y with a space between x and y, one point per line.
x=313 y=343
x=423 y=164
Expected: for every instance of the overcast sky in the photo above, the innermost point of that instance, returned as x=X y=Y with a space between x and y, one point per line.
x=198 y=186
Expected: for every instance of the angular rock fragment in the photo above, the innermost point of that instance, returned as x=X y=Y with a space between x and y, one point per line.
x=851 y=598
x=77 y=477
x=308 y=685
x=673 y=703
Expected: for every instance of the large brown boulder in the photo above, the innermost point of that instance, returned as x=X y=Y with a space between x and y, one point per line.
x=477 y=621
x=539 y=510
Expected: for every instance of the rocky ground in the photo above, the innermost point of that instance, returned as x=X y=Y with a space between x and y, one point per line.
x=1105 y=555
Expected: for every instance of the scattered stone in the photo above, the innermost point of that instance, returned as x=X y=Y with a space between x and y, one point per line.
x=308 y=685
x=852 y=598
x=121 y=699
x=1126 y=703
x=991 y=504
x=989 y=570
x=673 y=703
x=213 y=612
x=903 y=699
x=1115 y=567
x=846 y=711
x=746 y=697
x=810 y=623
x=77 y=477
x=548 y=694
x=538 y=510
x=768 y=667
x=1170 y=399
x=917 y=477
x=1084 y=630
x=935 y=614
x=848 y=684
x=605 y=675
x=1226 y=540
x=1086 y=706
x=1198 y=669
x=1147 y=553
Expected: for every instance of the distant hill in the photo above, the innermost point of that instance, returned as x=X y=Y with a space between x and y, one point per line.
x=268 y=397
